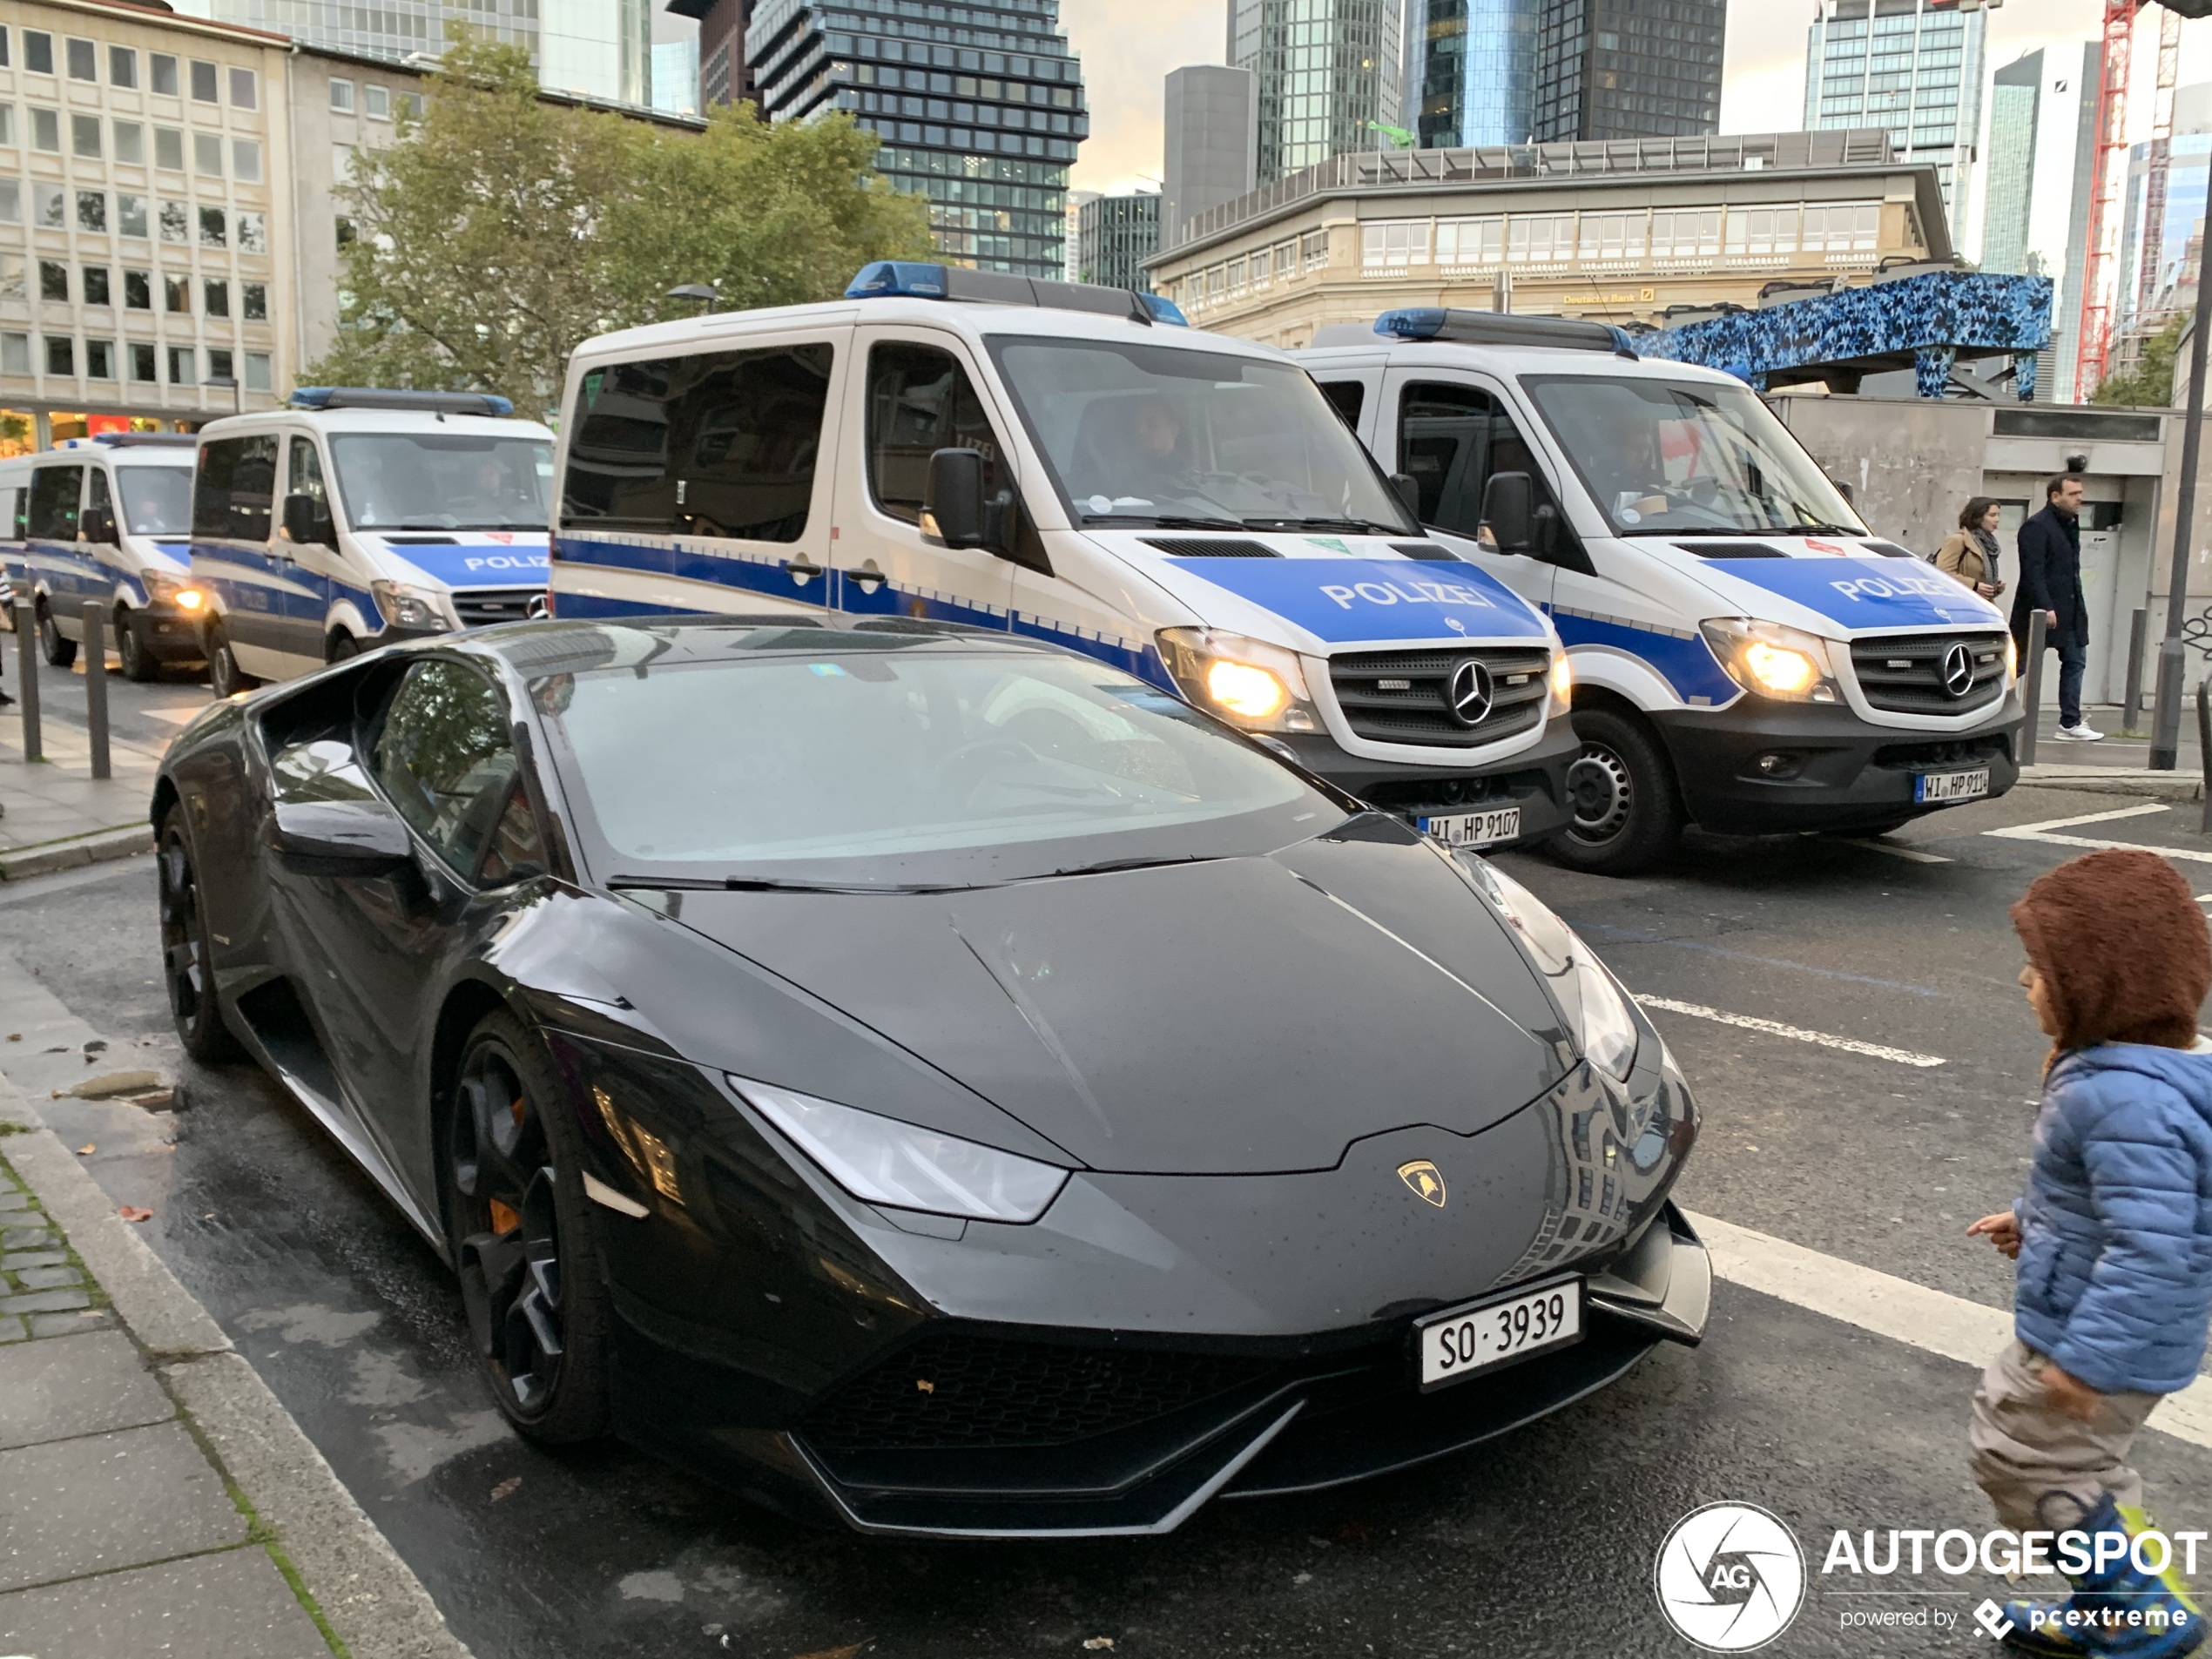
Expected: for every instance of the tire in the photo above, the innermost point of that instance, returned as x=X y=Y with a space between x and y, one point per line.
x=225 y=676
x=57 y=651
x=524 y=1237
x=139 y=663
x=187 y=955
x=1628 y=809
x=341 y=646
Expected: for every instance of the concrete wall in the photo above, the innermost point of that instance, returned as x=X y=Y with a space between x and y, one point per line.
x=1911 y=462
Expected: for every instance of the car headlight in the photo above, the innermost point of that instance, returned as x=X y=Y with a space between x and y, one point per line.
x=887 y=1162
x=405 y=605
x=1563 y=684
x=1771 y=660
x=1250 y=684
x=1604 y=1030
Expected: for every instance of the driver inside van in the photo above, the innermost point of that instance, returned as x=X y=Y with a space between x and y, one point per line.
x=1637 y=479
x=1133 y=449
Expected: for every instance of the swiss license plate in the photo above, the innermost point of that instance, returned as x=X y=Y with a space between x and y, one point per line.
x=1474 y=829
x=1463 y=1341
x=1951 y=785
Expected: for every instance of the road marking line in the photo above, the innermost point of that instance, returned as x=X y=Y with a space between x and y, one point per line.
x=1775 y=1028
x=1897 y=1308
x=2042 y=832
x=1912 y=852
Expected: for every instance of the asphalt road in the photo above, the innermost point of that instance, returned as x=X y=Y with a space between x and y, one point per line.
x=1538 y=1544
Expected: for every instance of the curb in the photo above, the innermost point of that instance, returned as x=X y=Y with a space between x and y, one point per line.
x=2136 y=781
x=47 y=857
x=369 y=1596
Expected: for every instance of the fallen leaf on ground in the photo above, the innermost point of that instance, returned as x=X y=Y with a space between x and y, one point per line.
x=825 y=1653
x=131 y=1212
x=15 y=1036
x=87 y=1149
x=506 y=1488
x=1096 y=1643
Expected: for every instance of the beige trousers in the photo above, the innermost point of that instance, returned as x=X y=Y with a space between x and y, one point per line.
x=2023 y=1448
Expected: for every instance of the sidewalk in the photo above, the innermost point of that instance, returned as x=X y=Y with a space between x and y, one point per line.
x=53 y=814
x=154 y=1496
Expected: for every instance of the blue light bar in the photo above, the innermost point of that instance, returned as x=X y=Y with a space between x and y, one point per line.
x=378 y=397
x=1413 y=323
x=889 y=277
x=1502 y=328
x=1165 y=309
x=910 y=278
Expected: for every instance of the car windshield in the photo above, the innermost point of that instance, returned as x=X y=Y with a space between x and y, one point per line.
x=157 y=501
x=1138 y=433
x=420 y=481
x=876 y=765
x=1671 y=460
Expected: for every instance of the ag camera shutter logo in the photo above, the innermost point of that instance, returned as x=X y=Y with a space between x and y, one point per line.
x=1730 y=1577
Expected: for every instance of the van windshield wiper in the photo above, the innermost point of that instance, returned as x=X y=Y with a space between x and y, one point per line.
x=1354 y=526
x=1163 y=521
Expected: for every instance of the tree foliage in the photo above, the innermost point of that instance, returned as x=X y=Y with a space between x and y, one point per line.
x=498 y=232
x=2150 y=384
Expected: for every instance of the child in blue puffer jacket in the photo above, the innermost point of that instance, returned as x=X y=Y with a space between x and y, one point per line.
x=2113 y=1239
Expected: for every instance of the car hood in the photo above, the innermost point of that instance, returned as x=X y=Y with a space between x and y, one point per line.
x=1244 y=1015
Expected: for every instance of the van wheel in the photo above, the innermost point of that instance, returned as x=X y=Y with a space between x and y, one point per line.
x=1628 y=812
x=57 y=650
x=225 y=676
x=138 y=663
x=341 y=646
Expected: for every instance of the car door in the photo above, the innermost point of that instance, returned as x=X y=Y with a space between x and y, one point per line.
x=52 y=549
x=256 y=582
x=917 y=394
x=105 y=563
x=318 y=567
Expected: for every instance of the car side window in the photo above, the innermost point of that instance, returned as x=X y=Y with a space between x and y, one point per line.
x=1451 y=438
x=54 y=495
x=1347 y=398
x=17 y=503
x=444 y=756
x=96 y=494
x=235 y=488
x=920 y=401
x=303 y=471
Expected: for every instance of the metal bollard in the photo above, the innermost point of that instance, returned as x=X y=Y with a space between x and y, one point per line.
x=95 y=685
x=2032 y=687
x=34 y=746
x=2138 y=638
x=2204 y=752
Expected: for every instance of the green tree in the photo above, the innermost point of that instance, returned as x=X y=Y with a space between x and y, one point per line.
x=2150 y=383
x=498 y=232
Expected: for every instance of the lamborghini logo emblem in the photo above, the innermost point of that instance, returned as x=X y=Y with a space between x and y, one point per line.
x=1424 y=1180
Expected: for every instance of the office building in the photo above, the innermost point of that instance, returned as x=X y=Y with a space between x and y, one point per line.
x=1628 y=69
x=725 y=77
x=2015 y=112
x=978 y=106
x=1115 y=236
x=676 y=76
x=2157 y=276
x=1328 y=74
x=1072 y=248
x=2066 y=315
x=1915 y=66
x=1212 y=141
x=1470 y=75
x=1627 y=234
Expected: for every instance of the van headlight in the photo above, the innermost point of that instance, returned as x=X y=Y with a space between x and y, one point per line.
x=405 y=605
x=1258 y=686
x=1563 y=682
x=164 y=588
x=1605 y=1030
x=906 y=1167
x=1772 y=661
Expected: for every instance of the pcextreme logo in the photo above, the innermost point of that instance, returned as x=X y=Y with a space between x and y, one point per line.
x=1730 y=1577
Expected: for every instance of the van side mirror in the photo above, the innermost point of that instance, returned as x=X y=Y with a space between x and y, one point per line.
x=1844 y=490
x=307 y=521
x=951 y=501
x=1409 y=493
x=99 y=525
x=1509 y=512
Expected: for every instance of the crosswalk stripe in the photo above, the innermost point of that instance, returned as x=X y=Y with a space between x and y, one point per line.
x=1775 y=1028
x=2043 y=832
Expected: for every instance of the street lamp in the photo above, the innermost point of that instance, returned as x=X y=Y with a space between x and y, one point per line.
x=701 y=292
x=238 y=391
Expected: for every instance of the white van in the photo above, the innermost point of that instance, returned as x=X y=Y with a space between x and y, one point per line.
x=1071 y=463
x=104 y=520
x=1747 y=656
x=357 y=516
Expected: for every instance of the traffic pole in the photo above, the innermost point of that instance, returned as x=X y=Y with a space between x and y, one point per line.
x=27 y=680
x=2166 y=722
x=95 y=685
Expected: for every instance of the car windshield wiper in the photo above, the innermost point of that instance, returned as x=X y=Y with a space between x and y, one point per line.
x=741 y=883
x=1163 y=521
x=1110 y=866
x=1354 y=526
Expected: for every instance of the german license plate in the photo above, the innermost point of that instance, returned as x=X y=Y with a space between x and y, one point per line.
x=1951 y=785
x=1474 y=829
x=1463 y=1341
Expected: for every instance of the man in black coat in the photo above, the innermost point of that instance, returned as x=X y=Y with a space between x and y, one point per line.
x=2050 y=580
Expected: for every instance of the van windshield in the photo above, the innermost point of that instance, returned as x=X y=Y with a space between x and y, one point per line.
x=1673 y=460
x=421 y=481
x=157 y=501
x=1153 y=434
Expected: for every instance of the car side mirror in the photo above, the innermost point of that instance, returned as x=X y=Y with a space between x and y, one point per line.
x=1409 y=492
x=307 y=521
x=99 y=525
x=952 y=502
x=363 y=838
x=1509 y=512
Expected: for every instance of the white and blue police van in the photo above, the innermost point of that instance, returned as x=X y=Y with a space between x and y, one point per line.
x=1747 y=656
x=104 y=521
x=1069 y=463
x=355 y=516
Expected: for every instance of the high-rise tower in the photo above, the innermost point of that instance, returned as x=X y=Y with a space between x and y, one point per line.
x=1628 y=69
x=1328 y=76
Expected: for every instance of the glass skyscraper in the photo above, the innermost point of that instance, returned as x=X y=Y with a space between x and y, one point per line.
x=1328 y=76
x=1628 y=69
x=1470 y=71
x=676 y=75
x=1113 y=235
x=978 y=106
x=1913 y=67
x=2015 y=109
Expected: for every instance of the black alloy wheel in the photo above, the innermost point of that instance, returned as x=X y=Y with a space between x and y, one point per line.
x=1628 y=814
x=187 y=959
x=139 y=663
x=57 y=651
x=225 y=676
x=522 y=1238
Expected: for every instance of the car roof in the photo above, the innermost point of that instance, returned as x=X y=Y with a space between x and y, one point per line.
x=344 y=420
x=1507 y=360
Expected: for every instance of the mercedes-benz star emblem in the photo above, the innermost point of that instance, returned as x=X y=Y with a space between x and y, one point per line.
x=1467 y=693
x=1958 y=671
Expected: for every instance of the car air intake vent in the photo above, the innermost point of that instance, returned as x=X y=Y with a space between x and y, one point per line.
x=1930 y=673
x=1428 y=551
x=481 y=607
x=1891 y=551
x=419 y=541
x=1732 y=550
x=1432 y=697
x=957 y=1390
x=1201 y=547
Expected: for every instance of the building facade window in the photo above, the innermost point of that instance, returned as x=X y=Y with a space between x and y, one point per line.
x=130 y=144
x=46 y=130
x=376 y=103
x=99 y=360
x=253 y=301
x=121 y=66
x=220 y=363
x=215 y=297
x=50 y=205
x=213 y=227
x=53 y=280
x=245 y=91
x=176 y=295
x=245 y=161
x=95 y=279
x=84 y=59
x=12 y=276
x=137 y=290
x=91 y=212
x=164 y=68
x=182 y=364
x=14 y=353
x=130 y=215
x=37 y=52
x=8 y=125
x=341 y=96
x=61 y=354
x=169 y=148
x=252 y=233
x=176 y=222
x=258 y=378
x=143 y=362
x=208 y=154
x=204 y=83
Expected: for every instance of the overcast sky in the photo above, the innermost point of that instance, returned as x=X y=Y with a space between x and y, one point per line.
x=1127 y=47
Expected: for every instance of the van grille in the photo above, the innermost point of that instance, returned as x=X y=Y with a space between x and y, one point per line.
x=1907 y=674
x=481 y=607
x=1404 y=696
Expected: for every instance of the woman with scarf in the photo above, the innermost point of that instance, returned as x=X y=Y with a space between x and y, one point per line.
x=1971 y=554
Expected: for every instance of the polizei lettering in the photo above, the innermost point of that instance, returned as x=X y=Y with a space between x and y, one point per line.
x=509 y=562
x=1401 y=592
x=1897 y=587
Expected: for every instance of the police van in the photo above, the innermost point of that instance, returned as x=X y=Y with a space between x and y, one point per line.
x=1069 y=463
x=104 y=520
x=1747 y=656
x=355 y=516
